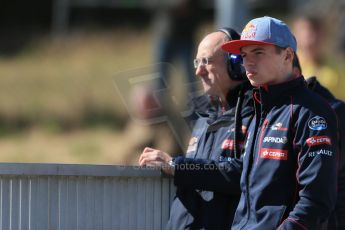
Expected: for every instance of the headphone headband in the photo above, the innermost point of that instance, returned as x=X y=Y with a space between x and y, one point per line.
x=234 y=62
x=231 y=33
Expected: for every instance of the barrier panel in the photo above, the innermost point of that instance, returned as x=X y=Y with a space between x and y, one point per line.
x=83 y=197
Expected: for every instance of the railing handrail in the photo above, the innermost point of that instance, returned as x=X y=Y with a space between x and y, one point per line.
x=45 y=169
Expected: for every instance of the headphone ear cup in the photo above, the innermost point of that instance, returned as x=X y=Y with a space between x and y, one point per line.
x=228 y=65
x=235 y=67
x=234 y=62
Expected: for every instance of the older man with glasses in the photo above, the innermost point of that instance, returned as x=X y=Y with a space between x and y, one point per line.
x=203 y=199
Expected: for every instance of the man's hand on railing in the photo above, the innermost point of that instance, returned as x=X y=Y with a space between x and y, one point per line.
x=157 y=158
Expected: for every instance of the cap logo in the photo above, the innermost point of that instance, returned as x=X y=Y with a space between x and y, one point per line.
x=249 y=31
x=263 y=31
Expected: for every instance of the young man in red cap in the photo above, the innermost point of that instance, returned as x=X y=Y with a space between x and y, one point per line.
x=289 y=164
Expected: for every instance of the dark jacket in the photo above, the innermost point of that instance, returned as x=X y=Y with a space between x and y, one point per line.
x=196 y=174
x=337 y=219
x=289 y=164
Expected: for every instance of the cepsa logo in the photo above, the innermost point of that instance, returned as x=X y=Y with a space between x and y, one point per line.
x=318 y=140
x=274 y=154
x=249 y=31
x=317 y=123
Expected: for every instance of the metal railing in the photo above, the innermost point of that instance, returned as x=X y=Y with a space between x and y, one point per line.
x=82 y=197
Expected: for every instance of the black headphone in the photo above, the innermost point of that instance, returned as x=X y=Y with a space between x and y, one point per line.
x=234 y=62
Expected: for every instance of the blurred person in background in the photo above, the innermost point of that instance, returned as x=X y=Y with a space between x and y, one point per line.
x=310 y=34
x=174 y=28
x=148 y=125
x=203 y=200
x=337 y=219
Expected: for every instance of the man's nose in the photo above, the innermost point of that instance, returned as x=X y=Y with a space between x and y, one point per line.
x=200 y=70
x=247 y=61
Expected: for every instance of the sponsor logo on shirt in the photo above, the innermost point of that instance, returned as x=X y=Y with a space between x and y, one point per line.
x=277 y=140
x=278 y=126
x=317 y=123
x=274 y=154
x=318 y=140
x=229 y=144
x=320 y=152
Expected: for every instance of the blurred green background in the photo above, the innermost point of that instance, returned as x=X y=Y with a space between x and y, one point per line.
x=58 y=102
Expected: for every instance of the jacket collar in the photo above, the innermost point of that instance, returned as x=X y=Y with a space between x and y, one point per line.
x=205 y=104
x=232 y=95
x=270 y=95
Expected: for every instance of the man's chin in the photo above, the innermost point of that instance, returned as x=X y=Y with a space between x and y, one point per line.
x=207 y=90
x=254 y=83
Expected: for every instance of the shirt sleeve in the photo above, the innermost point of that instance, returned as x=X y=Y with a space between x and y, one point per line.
x=339 y=108
x=209 y=175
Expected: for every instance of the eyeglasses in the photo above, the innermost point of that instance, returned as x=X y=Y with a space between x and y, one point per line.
x=203 y=61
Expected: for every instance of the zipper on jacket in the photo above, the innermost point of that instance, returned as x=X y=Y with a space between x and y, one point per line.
x=257 y=132
x=249 y=170
x=220 y=119
x=257 y=110
x=260 y=140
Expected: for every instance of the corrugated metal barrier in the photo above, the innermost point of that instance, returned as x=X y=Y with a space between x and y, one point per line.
x=83 y=197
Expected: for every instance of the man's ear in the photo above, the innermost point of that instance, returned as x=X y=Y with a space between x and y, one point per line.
x=289 y=55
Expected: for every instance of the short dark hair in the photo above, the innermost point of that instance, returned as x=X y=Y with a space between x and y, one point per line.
x=296 y=63
x=295 y=60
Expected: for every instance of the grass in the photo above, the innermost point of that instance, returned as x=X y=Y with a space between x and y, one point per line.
x=91 y=146
x=53 y=92
x=61 y=80
x=56 y=93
